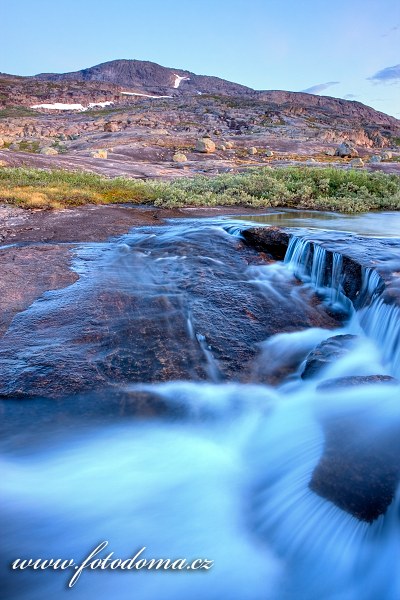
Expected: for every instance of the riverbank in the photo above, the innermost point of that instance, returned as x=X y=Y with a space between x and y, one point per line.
x=348 y=191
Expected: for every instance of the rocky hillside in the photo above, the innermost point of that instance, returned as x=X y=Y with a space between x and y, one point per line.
x=151 y=121
x=27 y=91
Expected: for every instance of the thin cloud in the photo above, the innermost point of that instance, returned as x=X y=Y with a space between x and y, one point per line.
x=391 y=31
x=320 y=87
x=350 y=96
x=387 y=75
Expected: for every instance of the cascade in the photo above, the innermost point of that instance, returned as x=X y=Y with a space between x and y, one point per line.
x=381 y=321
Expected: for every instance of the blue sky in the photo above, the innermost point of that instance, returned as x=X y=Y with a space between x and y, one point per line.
x=344 y=49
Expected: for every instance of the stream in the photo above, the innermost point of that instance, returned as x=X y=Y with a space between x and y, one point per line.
x=168 y=400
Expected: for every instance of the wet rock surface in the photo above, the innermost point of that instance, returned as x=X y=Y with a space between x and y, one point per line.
x=327 y=353
x=355 y=381
x=28 y=272
x=153 y=307
x=272 y=240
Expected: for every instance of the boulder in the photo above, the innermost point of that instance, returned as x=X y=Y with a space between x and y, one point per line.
x=358 y=470
x=229 y=145
x=357 y=162
x=346 y=150
x=269 y=153
x=330 y=152
x=222 y=147
x=101 y=153
x=375 y=159
x=311 y=161
x=48 y=151
x=205 y=145
x=179 y=157
x=111 y=127
x=1 y=142
x=253 y=150
x=386 y=155
x=326 y=353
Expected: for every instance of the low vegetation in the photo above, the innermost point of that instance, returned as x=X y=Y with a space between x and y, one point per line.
x=294 y=187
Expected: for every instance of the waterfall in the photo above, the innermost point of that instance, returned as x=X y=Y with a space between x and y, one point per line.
x=379 y=320
x=318 y=267
x=337 y=276
x=212 y=366
x=297 y=257
x=308 y=262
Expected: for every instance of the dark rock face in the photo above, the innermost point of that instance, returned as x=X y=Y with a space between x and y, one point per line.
x=272 y=240
x=327 y=353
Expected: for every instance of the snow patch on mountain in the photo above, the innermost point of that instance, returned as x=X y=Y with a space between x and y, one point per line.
x=59 y=106
x=80 y=107
x=143 y=95
x=179 y=79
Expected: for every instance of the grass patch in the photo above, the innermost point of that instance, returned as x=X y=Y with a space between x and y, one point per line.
x=31 y=147
x=294 y=187
x=35 y=188
x=16 y=111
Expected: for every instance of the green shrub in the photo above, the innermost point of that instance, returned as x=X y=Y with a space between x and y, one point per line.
x=295 y=187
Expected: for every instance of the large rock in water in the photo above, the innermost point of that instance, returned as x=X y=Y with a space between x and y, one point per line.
x=205 y=145
x=359 y=470
x=355 y=381
x=346 y=150
x=327 y=353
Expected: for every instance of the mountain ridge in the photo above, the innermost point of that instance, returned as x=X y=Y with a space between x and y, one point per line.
x=152 y=78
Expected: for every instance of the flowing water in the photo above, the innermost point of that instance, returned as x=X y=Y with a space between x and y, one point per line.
x=159 y=402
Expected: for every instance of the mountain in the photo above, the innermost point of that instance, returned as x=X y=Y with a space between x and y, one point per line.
x=149 y=77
